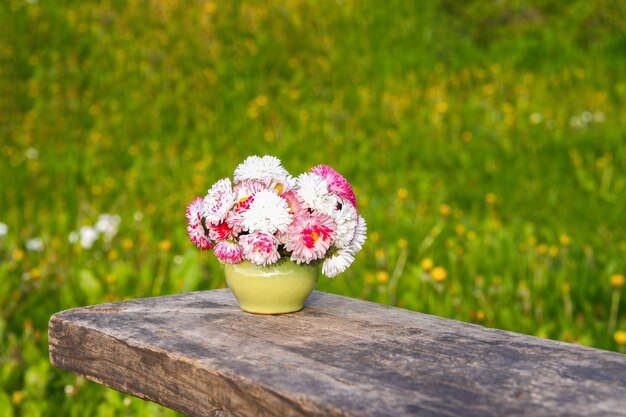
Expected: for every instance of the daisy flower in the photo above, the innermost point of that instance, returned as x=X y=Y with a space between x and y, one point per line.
x=260 y=248
x=220 y=232
x=280 y=184
x=346 y=219
x=293 y=201
x=195 y=229
x=260 y=168
x=360 y=234
x=244 y=196
x=268 y=213
x=228 y=252
x=309 y=237
x=337 y=184
x=313 y=190
x=218 y=201
x=338 y=262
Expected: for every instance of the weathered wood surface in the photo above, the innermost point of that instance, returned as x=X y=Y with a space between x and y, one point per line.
x=199 y=354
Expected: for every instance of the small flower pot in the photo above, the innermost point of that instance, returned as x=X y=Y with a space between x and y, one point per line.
x=276 y=289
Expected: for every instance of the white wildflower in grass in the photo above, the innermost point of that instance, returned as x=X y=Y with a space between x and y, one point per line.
x=346 y=219
x=4 y=230
x=32 y=153
x=260 y=168
x=87 y=236
x=72 y=237
x=35 y=244
x=108 y=225
x=218 y=201
x=338 y=262
x=268 y=213
x=313 y=190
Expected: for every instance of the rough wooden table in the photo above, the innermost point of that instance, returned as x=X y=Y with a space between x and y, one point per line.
x=199 y=354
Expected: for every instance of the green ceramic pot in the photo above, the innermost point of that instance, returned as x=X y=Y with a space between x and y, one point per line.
x=276 y=289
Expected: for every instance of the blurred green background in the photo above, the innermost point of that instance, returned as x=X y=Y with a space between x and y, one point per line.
x=485 y=140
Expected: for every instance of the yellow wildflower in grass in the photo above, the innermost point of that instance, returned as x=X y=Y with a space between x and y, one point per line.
x=460 y=229
x=380 y=253
x=553 y=251
x=374 y=237
x=127 y=244
x=441 y=107
x=480 y=315
x=439 y=274
x=565 y=240
x=382 y=277
x=445 y=210
x=165 y=245
x=491 y=198
x=403 y=243
x=620 y=337
x=17 y=397
x=403 y=193
x=466 y=136
x=426 y=264
x=369 y=278
x=17 y=255
x=617 y=280
x=471 y=235
x=541 y=249
x=210 y=8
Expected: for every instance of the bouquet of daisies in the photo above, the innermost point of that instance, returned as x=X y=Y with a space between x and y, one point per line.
x=267 y=214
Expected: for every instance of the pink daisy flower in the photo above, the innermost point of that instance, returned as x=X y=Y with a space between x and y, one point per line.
x=337 y=184
x=195 y=229
x=228 y=252
x=260 y=248
x=220 y=232
x=310 y=235
x=293 y=201
x=218 y=201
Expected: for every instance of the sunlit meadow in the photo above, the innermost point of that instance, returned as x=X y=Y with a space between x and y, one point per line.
x=486 y=142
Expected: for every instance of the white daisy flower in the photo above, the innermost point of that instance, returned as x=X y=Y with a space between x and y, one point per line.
x=346 y=220
x=360 y=234
x=268 y=213
x=313 y=190
x=4 y=230
x=338 y=262
x=260 y=168
x=218 y=201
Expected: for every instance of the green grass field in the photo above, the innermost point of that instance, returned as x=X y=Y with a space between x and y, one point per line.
x=486 y=143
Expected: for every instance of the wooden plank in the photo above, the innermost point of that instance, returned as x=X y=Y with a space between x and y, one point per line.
x=199 y=354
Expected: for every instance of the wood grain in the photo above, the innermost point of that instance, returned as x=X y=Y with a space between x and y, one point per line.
x=199 y=354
